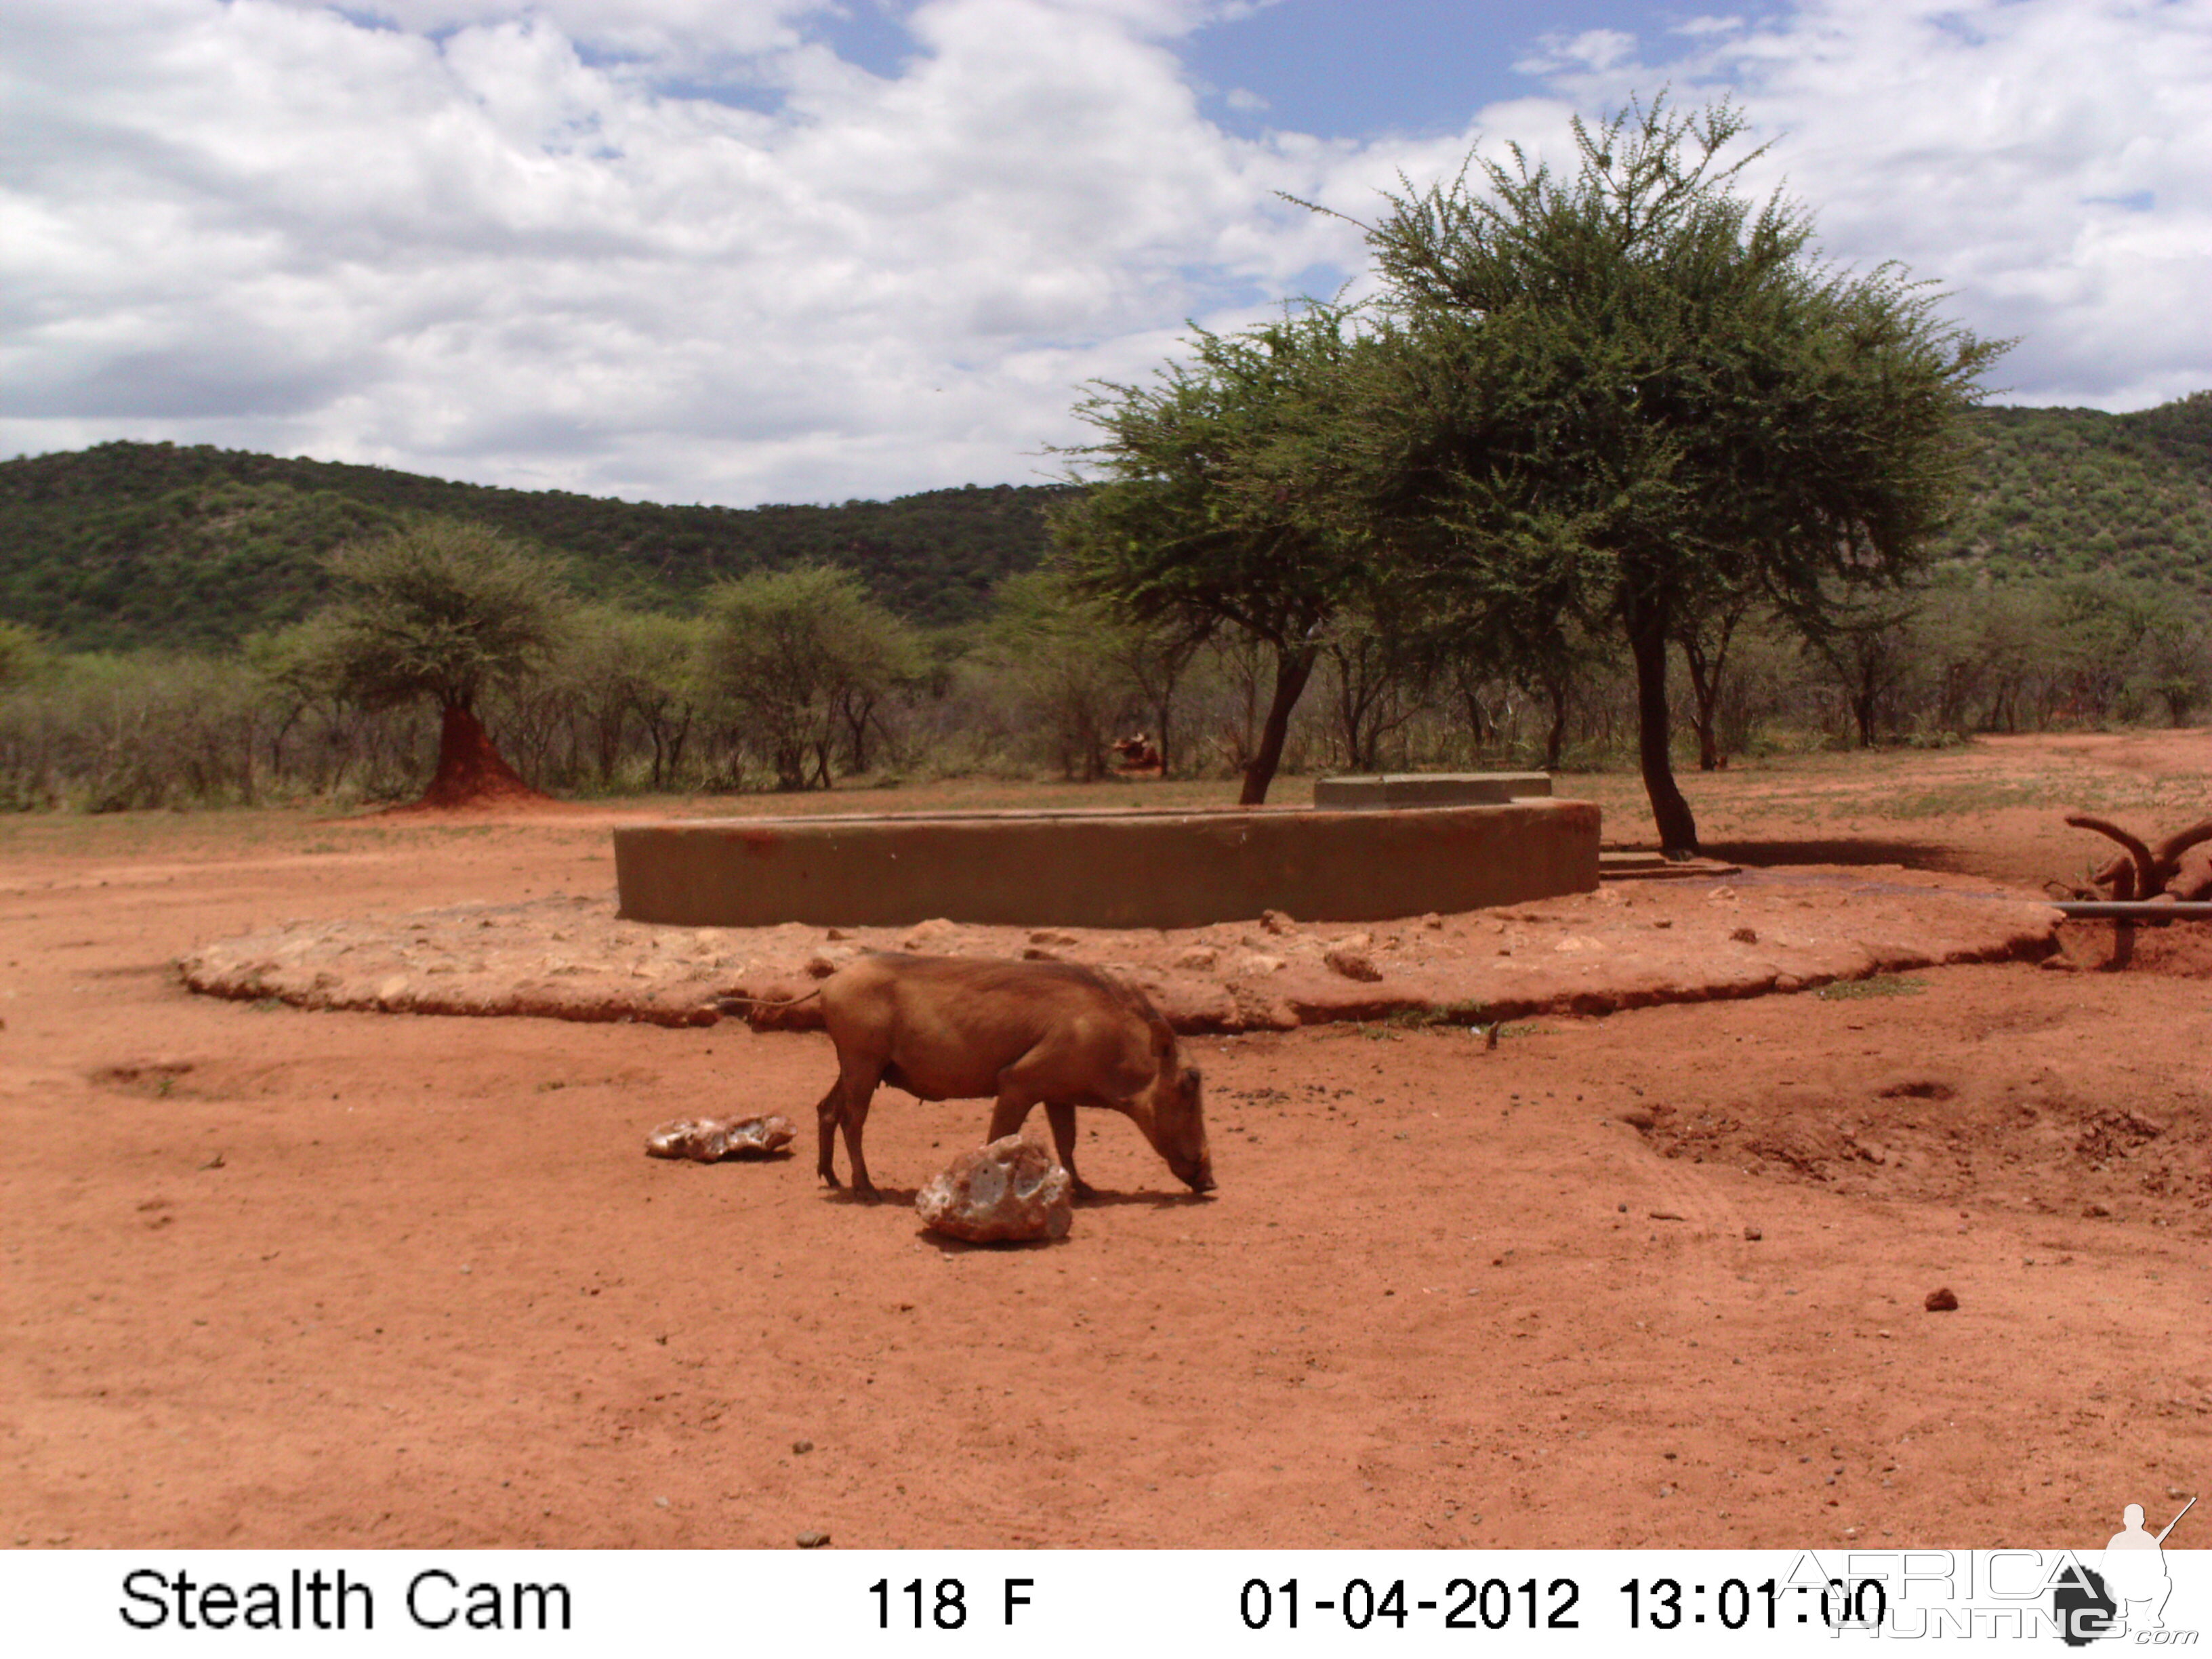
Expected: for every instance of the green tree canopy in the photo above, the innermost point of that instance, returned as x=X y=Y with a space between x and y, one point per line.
x=802 y=658
x=1207 y=505
x=1631 y=394
x=21 y=654
x=443 y=610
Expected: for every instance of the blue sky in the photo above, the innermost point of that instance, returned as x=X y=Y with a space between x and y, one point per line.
x=754 y=250
x=1341 y=70
x=1331 y=68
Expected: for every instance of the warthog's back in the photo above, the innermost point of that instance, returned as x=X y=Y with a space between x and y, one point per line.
x=945 y=1027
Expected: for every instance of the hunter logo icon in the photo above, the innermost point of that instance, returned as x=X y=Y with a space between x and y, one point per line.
x=2128 y=1594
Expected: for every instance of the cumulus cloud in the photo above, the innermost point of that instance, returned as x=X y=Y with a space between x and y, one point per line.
x=681 y=249
x=442 y=236
x=2049 y=162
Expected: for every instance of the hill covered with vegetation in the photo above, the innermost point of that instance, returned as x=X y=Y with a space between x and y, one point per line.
x=2063 y=492
x=128 y=545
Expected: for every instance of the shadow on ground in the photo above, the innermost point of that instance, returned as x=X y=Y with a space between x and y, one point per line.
x=1932 y=856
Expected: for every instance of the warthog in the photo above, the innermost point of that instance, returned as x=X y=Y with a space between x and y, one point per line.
x=1024 y=1033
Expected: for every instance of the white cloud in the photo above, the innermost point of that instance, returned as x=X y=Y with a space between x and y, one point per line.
x=2048 y=162
x=1593 y=51
x=681 y=250
x=491 y=254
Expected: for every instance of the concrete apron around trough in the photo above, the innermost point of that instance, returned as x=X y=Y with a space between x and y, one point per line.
x=1630 y=945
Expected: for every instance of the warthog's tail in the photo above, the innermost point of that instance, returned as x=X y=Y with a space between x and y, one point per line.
x=731 y=1003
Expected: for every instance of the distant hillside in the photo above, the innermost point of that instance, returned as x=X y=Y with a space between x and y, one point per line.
x=130 y=545
x=2068 y=491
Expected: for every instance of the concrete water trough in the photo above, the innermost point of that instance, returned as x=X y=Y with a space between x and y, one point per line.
x=1105 y=869
x=1370 y=792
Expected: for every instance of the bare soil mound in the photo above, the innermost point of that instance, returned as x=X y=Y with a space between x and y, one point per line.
x=1632 y=945
x=472 y=775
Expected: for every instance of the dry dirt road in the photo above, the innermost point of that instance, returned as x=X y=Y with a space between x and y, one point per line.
x=277 y=1278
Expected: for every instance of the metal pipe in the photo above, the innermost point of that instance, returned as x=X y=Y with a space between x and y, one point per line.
x=2134 y=910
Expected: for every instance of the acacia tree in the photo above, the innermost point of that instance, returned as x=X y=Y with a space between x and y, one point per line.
x=1086 y=672
x=1621 y=390
x=801 y=658
x=1210 y=502
x=447 y=610
x=1054 y=650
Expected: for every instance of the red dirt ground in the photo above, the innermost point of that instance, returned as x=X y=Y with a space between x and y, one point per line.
x=317 y=1280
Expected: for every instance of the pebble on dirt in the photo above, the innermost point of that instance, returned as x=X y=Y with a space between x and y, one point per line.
x=812 y=1541
x=1010 y=1191
x=1352 y=963
x=1944 y=1300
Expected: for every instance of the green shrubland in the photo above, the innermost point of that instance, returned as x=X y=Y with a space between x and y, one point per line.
x=1585 y=484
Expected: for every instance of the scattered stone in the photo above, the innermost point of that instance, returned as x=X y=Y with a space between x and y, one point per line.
x=1276 y=923
x=1352 y=964
x=1049 y=936
x=1746 y=936
x=812 y=1541
x=802 y=1447
x=1753 y=1234
x=1011 y=1191
x=1945 y=1300
x=1038 y=953
x=1433 y=922
x=2095 y=1211
x=1668 y=1215
x=712 y=1139
x=1199 y=959
x=833 y=934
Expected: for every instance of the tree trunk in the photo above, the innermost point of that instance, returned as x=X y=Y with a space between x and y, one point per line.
x=790 y=766
x=1863 y=706
x=1704 y=696
x=1478 y=718
x=676 y=740
x=470 y=770
x=1555 y=739
x=1678 y=828
x=1293 y=670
